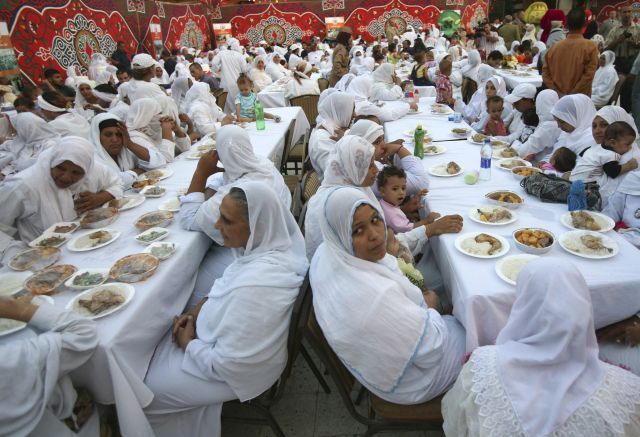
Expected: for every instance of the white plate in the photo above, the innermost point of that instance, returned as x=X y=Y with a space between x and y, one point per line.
x=522 y=163
x=473 y=215
x=126 y=289
x=11 y=282
x=195 y=155
x=148 y=231
x=501 y=144
x=505 y=245
x=441 y=150
x=51 y=229
x=37 y=300
x=79 y=243
x=166 y=172
x=69 y=282
x=606 y=223
x=496 y=154
x=461 y=135
x=150 y=247
x=606 y=241
x=181 y=191
x=153 y=196
x=132 y=202
x=411 y=112
x=410 y=133
x=444 y=175
x=472 y=141
x=172 y=204
x=46 y=235
x=501 y=262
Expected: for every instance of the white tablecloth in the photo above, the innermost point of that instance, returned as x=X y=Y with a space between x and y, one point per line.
x=512 y=81
x=273 y=96
x=481 y=300
x=127 y=339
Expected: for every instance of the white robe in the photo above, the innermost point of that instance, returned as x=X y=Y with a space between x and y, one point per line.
x=140 y=89
x=604 y=81
x=201 y=107
x=33 y=135
x=71 y=123
x=230 y=63
x=305 y=87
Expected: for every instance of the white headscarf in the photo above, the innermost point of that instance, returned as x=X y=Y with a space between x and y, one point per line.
x=336 y=111
x=126 y=160
x=260 y=78
x=612 y=114
x=140 y=89
x=579 y=112
x=377 y=326
x=383 y=74
x=179 y=88
x=344 y=82
x=367 y=129
x=234 y=45
x=144 y=117
x=71 y=76
x=33 y=135
x=471 y=69
x=545 y=101
x=547 y=354
x=360 y=88
x=97 y=65
x=200 y=93
x=541 y=48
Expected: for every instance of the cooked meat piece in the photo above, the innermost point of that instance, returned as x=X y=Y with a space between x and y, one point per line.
x=583 y=220
x=496 y=245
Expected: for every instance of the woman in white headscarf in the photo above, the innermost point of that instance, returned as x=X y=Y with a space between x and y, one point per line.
x=233 y=345
x=44 y=193
x=360 y=89
x=529 y=34
x=441 y=46
x=73 y=72
x=605 y=79
x=540 y=142
x=474 y=109
x=574 y=114
x=87 y=103
x=115 y=149
x=386 y=85
x=334 y=113
x=160 y=76
x=201 y=206
x=150 y=129
x=275 y=69
x=179 y=89
x=301 y=84
x=107 y=76
x=410 y=35
x=202 y=109
x=63 y=120
x=33 y=135
x=494 y=86
x=538 y=48
x=294 y=56
x=384 y=329
x=344 y=82
x=258 y=74
x=548 y=344
x=470 y=70
x=97 y=65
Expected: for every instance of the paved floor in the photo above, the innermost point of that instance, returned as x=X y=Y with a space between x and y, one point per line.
x=307 y=411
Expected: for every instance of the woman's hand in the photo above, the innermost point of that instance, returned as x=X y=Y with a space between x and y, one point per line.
x=449 y=224
x=126 y=139
x=17 y=309
x=167 y=124
x=415 y=202
x=86 y=200
x=228 y=119
x=208 y=163
x=338 y=133
x=185 y=331
x=431 y=299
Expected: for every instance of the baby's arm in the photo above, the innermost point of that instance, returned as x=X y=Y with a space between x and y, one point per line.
x=613 y=169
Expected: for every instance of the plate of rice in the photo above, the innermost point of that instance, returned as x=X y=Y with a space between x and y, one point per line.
x=509 y=267
x=482 y=245
x=587 y=221
x=589 y=244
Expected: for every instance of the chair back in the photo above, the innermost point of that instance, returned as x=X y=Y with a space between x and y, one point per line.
x=282 y=165
x=469 y=87
x=616 y=91
x=221 y=99
x=302 y=217
x=309 y=104
x=323 y=84
x=310 y=184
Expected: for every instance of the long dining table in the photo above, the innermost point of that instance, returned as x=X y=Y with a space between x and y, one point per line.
x=481 y=300
x=127 y=338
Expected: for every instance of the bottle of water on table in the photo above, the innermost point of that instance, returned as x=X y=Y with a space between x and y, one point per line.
x=485 y=160
x=259 y=111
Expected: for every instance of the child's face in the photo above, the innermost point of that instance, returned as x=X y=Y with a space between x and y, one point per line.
x=621 y=145
x=245 y=88
x=495 y=110
x=490 y=89
x=394 y=191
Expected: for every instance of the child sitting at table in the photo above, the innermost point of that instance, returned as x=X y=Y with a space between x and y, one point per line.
x=562 y=161
x=444 y=88
x=624 y=208
x=495 y=125
x=405 y=259
x=601 y=162
x=419 y=73
x=246 y=101
x=531 y=120
x=392 y=184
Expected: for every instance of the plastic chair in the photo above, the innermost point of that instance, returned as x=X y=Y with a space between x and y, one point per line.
x=622 y=78
x=221 y=99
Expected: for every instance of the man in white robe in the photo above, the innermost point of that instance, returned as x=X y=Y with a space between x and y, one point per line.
x=230 y=63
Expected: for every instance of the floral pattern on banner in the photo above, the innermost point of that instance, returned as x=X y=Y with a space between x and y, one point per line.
x=328 y=5
x=475 y=14
x=190 y=30
x=160 y=8
x=635 y=10
x=455 y=3
x=280 y=27
x=58 y=37
x=135 y=6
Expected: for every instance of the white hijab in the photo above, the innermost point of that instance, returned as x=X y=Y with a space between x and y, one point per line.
x=367 y=129
x=375 y=327
x=336 y=111
x=260 y=78
x=33 y=135
x=577 y=110
x=545 y=101
x=97 y=65
x=140 y=89
x=471 y=69
x=144 y=117
x=126 y=159
x=179 y=88
x=547 y=354
x=360 y=88
x=612 y=114
x=199 y=93
x=630 y=184
x=344 y=82
x=383 y=74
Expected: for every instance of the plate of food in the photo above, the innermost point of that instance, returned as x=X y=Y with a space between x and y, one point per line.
x=152 y=235
x=102 y=300
x=11 y=282
x=159 y=174
x=142 y=183
x=34 y=259
x=434 y=150
x=197 y=154
x=62 y=228
x=523 y=172
x=492 y=215
x=510 y=163
x=440 y=109
x=99 y=218
x=509 y=267
x=414 y=111
x=47 y=280
x=460 y=132
x=589 y=244
x=446 y=169
x=482 y=245
x=153 y=191
x=127 y=202
x=134 y=268
x=505 y=152
x=93 y=240
x=587 y=221
x=171 y=205
x=499 y=143
x=161 y=250
x=9 y=326
x=505 y=198
x=50 y=240
x=206 y=144
x=477 y=138
x=536 y=241
x=153 y=219
x=87 y=278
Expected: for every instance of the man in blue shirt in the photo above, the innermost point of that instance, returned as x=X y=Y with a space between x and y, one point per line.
x=120 y=58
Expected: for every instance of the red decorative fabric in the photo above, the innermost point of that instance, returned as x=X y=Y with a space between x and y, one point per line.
x=189 y=30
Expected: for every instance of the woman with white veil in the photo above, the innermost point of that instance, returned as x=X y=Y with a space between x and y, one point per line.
x=360 y=88
x=574 y=114
x=97 y=65
x=386 y=85
x=605 y=79
x=540 y=142
x=258 y=74
x=275 y=69
x=202 y=109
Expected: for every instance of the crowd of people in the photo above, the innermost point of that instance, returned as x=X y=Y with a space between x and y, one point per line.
x=81 y=139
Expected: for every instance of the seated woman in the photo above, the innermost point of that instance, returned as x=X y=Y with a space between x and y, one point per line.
x=605 y=80
x=233 y=345
x=160 y=76
x=301 y=84
x=385 y=329
x=210 y=183
x=360 y=89
x=259 y=75
x=386 y=85
x=201 y=107
x=115 y=149
x=179 y=89
x=36 y=371
x=275 y=69
x=33 y=135
x=540 y=143
x=574 y=114
x=64 y=182
x=476 y=107
x=63 y=120
x=87 y=103
x=554 y=351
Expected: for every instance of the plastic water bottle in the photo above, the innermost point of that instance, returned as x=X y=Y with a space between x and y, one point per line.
x=416 y=96
x=418 y=138
x=485 y=160
x=259 y=111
